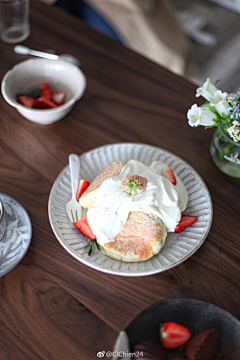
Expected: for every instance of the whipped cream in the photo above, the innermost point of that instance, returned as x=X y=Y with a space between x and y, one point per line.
x=110 y=210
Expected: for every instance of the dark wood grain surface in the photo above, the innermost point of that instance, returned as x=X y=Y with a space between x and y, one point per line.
x=52 y=306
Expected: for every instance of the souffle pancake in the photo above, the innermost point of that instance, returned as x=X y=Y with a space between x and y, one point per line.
x=88 y=197
x=142 y=237
x=132 y=207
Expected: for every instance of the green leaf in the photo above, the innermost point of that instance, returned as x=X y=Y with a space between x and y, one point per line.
x=210 y=126
x=33 y=93
x=226 y=149
x=220 y=155
x=88 y=244
x=91 y=248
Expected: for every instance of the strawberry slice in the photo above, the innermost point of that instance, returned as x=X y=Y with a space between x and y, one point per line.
x=83 y=226
x=26 y=101
x=185 y=221
x=40 y=105
x=46 y=91
x=44 y=103
x=174 y=335
x=168 y=174
x=59 y=97
x=83 y=185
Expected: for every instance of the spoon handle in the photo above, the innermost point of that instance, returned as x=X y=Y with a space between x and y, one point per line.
x=24 y=50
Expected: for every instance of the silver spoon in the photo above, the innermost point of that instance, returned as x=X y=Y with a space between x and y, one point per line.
x=24 y=50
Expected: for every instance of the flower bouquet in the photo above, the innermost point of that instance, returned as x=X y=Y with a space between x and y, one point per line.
x=221 y=110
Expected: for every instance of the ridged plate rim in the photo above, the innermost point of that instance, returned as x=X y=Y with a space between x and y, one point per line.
x=19 y=226
x=185 y=243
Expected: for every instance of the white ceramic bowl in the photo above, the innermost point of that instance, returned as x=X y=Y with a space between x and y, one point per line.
x=30 y=74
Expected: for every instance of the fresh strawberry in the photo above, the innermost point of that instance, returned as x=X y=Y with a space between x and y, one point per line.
x=44 y=103
x=35 y=93
x=83 y=226
x=174 y=335
x=59 y=97
x=40 y=105
x=134 y=184
x=168 y=174
x=185 y=221
x=26 y=101
x=46 y=91
x=83 y=185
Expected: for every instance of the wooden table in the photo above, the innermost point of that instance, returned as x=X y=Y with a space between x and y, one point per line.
x=53 y=307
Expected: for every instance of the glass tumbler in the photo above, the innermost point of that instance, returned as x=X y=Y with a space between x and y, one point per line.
x=14 y=20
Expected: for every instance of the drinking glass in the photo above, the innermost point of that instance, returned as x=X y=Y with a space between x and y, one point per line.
x=14 y=20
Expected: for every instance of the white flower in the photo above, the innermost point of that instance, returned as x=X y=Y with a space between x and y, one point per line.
x=218 y=100
x=218 y=96
x=207 y=90
x=234 y=131
x=199 y=116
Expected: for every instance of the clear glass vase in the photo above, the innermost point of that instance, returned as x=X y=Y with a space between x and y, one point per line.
x=225 y=152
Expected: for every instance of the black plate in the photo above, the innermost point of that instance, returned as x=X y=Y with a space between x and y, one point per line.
x=196 y=315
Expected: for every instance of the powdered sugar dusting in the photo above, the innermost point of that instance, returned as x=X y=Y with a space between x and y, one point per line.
x=138 y=237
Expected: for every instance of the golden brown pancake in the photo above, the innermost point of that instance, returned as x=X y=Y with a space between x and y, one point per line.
x=142 y=237
x=88 y=197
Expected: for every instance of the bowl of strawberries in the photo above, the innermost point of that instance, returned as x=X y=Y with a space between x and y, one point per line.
x=182 y=329
x=43 y=91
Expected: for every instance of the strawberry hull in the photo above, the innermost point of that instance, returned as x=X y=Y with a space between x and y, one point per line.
x=134 y=184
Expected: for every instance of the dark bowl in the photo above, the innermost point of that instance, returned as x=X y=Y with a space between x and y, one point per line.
x=196 y=315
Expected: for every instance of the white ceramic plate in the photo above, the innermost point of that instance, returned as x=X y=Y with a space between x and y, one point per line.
x=178 y=247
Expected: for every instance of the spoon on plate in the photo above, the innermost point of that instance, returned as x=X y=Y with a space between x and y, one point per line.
x=24 y=50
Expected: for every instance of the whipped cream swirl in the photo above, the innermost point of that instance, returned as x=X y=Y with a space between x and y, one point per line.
x=112 y=206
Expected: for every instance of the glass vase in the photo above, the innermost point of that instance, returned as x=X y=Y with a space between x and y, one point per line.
x=225 y=152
